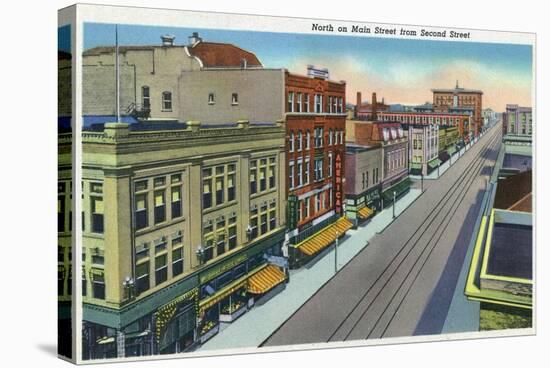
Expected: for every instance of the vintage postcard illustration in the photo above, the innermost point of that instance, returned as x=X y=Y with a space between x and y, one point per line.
x=230 y=184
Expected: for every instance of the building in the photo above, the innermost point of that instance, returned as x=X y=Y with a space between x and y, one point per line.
x=315 y=120
x=501 y=271
x=368 y=111
x=517 y=120
x=423 y=148
x=363 y=181
x=180 y=221
x=394 y=145
x=150 y=76
x=460 y=99
x=449 y=142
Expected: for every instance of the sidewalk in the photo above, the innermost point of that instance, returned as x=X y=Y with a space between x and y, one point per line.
x=445 y=166
x=255 y=326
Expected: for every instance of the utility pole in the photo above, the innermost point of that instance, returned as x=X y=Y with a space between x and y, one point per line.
x=117 y=76
x=393 y=207
x=421 y=182
x=336 y=253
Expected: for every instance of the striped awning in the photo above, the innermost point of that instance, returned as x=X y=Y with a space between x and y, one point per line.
x=325 y=237
x=265 y=280
x=365 y=213
x=223 y=293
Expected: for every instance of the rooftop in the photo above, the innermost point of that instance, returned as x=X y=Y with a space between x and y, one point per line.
x=511 y=251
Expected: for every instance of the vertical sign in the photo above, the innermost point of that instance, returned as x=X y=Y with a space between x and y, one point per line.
x=292 y=212
x=338 y=183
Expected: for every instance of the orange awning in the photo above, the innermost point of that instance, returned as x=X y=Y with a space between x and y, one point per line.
x=325 y=237
x=265 y=280
x=365 y=213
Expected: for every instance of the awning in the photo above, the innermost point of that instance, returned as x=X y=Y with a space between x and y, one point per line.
x=416 y=165
x=398 y=188
x=323 y=238
x=451 y=149
x=434 y=163
x=265 y=280
x=223 y=293
x=365 y=213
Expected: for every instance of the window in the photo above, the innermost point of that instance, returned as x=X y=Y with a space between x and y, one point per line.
x=306 y=171
x=340 y=104
x=291 y=175
x=167 y=101
x=272 y=217
x=263 y=170
x=177 y=261
x=98 y=286
x=330 y=110
x=97 y=214
x=253 y=177
x=141 y=211
x=142 y=277
x=291 y=142
x=176 y=201
x=300 y=139
x=160 y=245
x=231 y=187
x=318 y=103
x=306 y=208
x=330 y=164
x=300 y=169
x=220 y=243
x=161 y=269
x=318 y=132
x=335 y=108
x=206 y=188
x=299 y=103
x=308 y=138
x=318 y=169
x=98 y=260
x=271 y=173
x=160 y=207
x=290 y=107
x=219 y=190
x=84 y=284
x=330 y=133
x=211 y=99
x=318 y=202
x=145 y=98
x=253 y=223
x=235 y=99
x=232 y=232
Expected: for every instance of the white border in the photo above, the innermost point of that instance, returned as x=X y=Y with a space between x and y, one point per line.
x=260 y=23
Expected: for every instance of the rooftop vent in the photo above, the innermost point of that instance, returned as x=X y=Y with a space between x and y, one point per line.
x=167 y=40
x=194 y=38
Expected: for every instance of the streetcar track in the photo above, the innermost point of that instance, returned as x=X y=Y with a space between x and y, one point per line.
x=434 y=246
x=420 y=231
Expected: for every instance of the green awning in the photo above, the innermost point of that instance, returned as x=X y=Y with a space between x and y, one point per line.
x=398 y=188
x=434 y=163
x=416 y=165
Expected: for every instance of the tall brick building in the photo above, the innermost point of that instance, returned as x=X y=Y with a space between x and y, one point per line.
x=460 y=99
x=315 y=121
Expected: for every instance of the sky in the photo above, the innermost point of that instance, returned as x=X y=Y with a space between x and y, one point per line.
x=400 y=70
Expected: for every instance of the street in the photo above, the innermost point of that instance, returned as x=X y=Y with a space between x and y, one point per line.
x=402 y=283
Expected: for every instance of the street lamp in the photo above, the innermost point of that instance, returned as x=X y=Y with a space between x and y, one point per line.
x=128 y=285
x=200 y=254
x=393 y=207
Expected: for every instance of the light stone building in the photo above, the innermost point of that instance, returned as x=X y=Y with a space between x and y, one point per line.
x=177 y=220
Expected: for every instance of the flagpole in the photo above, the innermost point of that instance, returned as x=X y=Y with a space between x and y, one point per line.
x=117 y=76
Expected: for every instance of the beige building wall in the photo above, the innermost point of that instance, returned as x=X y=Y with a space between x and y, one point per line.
x=155 y=67
x=118 y=162
x=260 y=95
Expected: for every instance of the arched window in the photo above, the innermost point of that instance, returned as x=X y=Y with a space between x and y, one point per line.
x=145 y=98
x=167 y=101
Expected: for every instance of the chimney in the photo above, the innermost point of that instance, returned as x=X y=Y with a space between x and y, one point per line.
x=358 y=104
x=194 y=38
x=374 y=107
x=167 y=40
